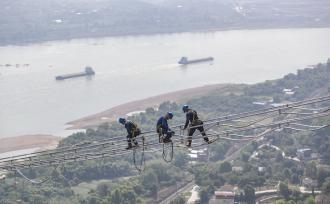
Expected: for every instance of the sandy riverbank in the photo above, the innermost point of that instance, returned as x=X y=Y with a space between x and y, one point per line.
x=28 y=142
x=140 y=105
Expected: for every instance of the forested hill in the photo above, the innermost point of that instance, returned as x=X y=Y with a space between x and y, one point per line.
x=115 y=180
x=41 y=20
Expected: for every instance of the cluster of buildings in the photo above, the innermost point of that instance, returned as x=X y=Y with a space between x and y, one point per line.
x=226 y=195
x=306 y=154
x=271 y=103
x=2 y=176
x=199 y=155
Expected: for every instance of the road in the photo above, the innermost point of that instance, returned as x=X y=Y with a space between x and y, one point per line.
x=267 y=195
x=194 y=195
x=184 y=189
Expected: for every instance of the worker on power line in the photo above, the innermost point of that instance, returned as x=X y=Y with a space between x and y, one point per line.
x=163 y=128
x=194 y=124
x=132 y=132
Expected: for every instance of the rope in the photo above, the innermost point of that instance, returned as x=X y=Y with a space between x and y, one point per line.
x=141 y=165
x=168 y=145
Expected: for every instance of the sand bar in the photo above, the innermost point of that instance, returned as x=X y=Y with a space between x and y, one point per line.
x=140 y=105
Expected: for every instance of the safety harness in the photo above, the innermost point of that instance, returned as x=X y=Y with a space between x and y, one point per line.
x=135 y=130
x=195 y=119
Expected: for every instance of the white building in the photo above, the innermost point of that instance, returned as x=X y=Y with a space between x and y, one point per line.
x=304 y=154
x=223 y=197
x=237 y=169
x=288 y=91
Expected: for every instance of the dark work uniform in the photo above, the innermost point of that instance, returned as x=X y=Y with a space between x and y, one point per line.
x=193 y=120
x=132 y=132
x=163 y=129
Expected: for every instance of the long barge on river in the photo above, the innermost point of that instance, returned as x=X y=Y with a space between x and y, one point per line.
x=88 y=72
x=184 y=60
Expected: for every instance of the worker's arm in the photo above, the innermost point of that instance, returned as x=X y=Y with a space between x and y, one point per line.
x=165 y=125
x=187 y=121
x=129 y=129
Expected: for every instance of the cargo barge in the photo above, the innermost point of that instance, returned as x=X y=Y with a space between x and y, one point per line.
x=88 y=72
x=184 y=60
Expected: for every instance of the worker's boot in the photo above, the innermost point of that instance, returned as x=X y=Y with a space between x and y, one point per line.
x=206 y=139
x=167 y=139
x=129 y=146
x=189 y=143
x=136 y=143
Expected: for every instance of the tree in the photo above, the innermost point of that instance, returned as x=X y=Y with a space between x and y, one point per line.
x=92 y=200
x=311 y=170
x=181 y=159
x=178 y=200
x=279 y=157
x=116 y=196
x=102 y=189
x=294 y=178
x=284 y=190
x=225 y=167
x=296 y=194
x=204 y=196
x=309 y=200
x=245 y=157
x=287 y=173
x=218 y=150
x=129 y=197
x=249 y=194
x=150 y=182
x=322 y=174
x=326 y=186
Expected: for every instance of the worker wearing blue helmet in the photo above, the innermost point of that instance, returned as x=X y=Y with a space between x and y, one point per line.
x=194 y=124
x=132 y=132
x=163 y=128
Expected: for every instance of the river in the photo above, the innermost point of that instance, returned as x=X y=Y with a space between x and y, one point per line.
x=136 y=67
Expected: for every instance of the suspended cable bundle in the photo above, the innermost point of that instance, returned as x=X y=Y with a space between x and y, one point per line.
x=246 y=126
x=309 y=129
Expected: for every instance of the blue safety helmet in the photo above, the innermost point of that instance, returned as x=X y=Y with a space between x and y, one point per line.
x=185 y=108
x=170 y=115
x=122 y=120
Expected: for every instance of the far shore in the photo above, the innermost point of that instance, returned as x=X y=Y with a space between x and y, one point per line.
x=42 y=141
x=151 y=33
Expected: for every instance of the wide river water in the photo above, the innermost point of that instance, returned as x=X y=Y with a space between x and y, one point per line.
x=131 y=68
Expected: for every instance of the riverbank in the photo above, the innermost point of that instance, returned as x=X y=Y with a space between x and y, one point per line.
x=25 y=142
x=141 y=33
x=140 y=105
